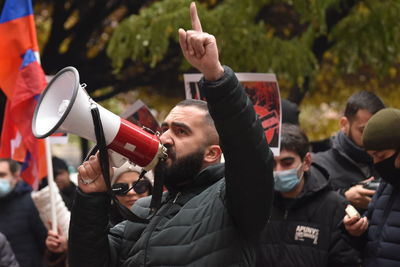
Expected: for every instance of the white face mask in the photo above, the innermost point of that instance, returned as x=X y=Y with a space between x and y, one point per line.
x=5 y=187
x=287 y=180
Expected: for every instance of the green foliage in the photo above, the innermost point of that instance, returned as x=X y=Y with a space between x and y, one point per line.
x=369 y=35
x=243 y=42
x=146 y=36
x=362 y=34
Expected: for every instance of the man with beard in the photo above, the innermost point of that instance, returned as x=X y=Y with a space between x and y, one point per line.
x=212 y=213
x=378 y=233
x=347 y=163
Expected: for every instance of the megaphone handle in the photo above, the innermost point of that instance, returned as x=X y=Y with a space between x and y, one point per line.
x=98 y=129
x=104 y=163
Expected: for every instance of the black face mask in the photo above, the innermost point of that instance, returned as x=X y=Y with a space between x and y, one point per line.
x=387 y=170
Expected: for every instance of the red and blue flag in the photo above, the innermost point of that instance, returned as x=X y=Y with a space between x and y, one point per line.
x=22 y=80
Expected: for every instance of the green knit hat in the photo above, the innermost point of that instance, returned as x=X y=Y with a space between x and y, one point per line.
x=383 y=130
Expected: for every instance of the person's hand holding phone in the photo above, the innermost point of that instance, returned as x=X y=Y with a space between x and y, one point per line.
x=354 y=224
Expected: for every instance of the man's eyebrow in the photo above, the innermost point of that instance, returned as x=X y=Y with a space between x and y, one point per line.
x=181 y=125
x=176 y=124
x=287 y=158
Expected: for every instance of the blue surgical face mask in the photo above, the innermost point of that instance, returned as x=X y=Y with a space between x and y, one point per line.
x=5 y=187
x=287 y=180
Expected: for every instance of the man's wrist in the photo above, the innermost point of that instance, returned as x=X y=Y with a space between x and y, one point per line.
x=214 y=75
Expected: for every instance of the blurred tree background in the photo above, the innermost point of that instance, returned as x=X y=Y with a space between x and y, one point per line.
x=321 y=50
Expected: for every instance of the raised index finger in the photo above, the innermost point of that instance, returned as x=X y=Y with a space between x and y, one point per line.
x=196 y=24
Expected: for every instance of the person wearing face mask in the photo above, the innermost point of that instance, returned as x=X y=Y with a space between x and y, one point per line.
x=304 y=226
x=377 y=233
x=19 y=218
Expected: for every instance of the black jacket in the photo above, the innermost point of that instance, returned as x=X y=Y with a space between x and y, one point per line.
x=214 y=222
x=7 y=257
x=381 y=242
x=21 y=224
x=345 y=164
x=304 y=231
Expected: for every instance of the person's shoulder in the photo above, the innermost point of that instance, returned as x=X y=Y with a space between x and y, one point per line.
x=143 y=202
x=323 y=155
x=3 y=238
x=333 y=198
x=22 y=188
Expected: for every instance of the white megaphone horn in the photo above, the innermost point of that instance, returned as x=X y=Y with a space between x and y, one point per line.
x=65 y=107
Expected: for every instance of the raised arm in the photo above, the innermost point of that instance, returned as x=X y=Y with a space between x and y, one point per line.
x=248 y=159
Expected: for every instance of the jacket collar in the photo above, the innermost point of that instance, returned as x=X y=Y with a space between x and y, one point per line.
x=204 y=179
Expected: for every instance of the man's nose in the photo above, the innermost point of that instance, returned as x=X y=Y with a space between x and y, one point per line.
x=165 y=138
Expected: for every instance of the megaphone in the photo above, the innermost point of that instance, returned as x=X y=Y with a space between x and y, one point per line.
x=65 y=107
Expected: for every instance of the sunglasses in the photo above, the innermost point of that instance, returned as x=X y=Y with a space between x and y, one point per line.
x=121 y=189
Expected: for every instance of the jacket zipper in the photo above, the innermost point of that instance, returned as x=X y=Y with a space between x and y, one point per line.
x=285 y=214
x=160 y=216
x=283 y=225
x=176 y=197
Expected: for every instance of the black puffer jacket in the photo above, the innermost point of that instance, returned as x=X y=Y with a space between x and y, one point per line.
x=304 y=231
x=214 y=222
x=21 y=224
x=381 y=243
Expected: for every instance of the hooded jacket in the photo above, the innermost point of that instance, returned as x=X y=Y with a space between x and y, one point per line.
x=21 y=224
x=304 y=231
x=213 y=222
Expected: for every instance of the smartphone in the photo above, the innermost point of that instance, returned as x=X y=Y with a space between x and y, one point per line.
x=351 y=211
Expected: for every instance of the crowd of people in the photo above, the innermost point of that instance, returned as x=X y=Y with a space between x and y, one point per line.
x=253 y=209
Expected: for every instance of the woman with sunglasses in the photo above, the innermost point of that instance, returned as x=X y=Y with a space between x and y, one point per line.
x=128 y=189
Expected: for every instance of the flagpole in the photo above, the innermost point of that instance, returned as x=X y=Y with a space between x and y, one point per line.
x=51 y=184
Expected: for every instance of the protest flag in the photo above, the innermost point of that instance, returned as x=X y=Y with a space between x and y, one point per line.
x=22 y=80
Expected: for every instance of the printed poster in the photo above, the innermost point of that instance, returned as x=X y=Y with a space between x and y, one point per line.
x=139 y=114
x=263 y=91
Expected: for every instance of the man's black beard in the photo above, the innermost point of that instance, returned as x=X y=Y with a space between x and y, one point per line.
x=351 y=137
x=182 y=171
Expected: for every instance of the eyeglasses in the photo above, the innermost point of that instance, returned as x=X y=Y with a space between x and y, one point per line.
x=121 y=189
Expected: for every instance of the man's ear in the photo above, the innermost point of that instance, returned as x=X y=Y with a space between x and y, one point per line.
x=397 y=161
x=307 y=162
x=344 y=125
x=212 y=154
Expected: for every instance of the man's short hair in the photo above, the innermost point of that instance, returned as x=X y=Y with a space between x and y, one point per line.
x=362 y=100
x=12 y=164
x=294 y=139
x=200 y=104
